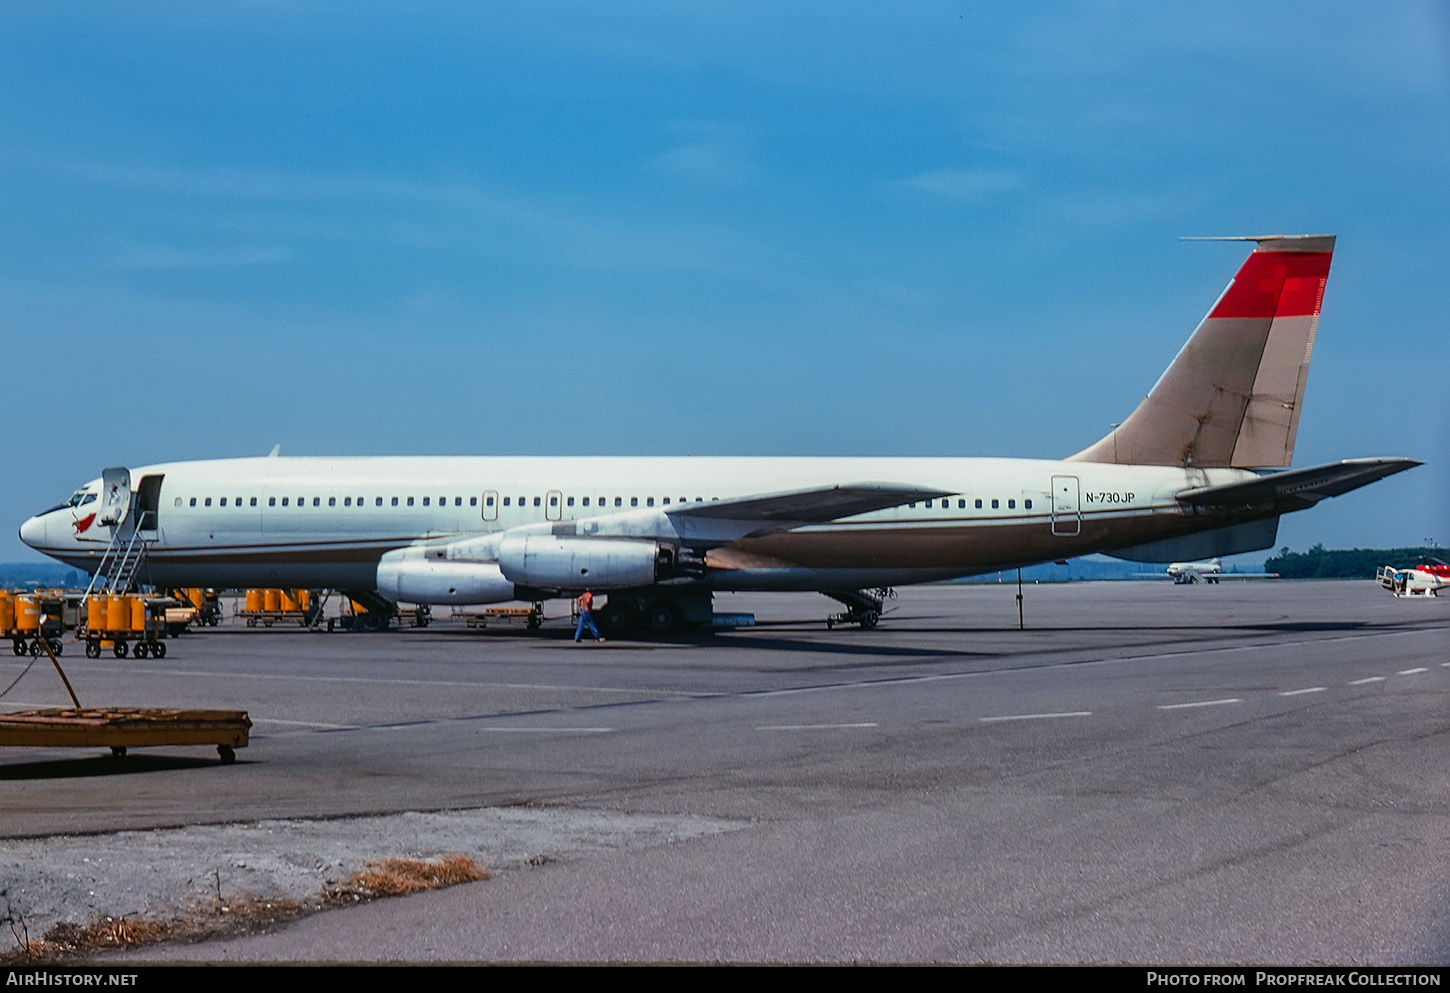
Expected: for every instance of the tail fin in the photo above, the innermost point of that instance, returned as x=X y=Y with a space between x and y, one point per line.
x=1233 y=394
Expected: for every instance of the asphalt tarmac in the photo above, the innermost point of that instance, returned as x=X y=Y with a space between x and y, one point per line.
x=1253 y=772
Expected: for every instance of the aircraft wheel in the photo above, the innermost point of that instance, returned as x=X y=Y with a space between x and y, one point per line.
x=869 y=619
x=118 y=649
x=614 y=620
x=158 y=650
x=664 y=617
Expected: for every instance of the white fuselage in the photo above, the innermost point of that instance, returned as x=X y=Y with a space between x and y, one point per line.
x=326 y=522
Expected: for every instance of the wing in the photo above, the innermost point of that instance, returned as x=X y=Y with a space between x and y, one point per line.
x=719 y=522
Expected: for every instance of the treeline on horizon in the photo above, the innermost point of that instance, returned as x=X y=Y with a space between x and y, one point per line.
x=1339 y=563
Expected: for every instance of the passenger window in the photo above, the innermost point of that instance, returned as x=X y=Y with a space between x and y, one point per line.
x=347 y=501
x=458 y=501
x=331 y=501
x=425 y=501
x=538 y=502
x=410 y=501
x=208 y=501
x=254 y=501
x=284 y=501
x=995 y=504
x=649 y=502
x=506 y=501
x=178 y=501
x=224 y=501
x=378 y=502
x=570 y=501
x=634 y=501
x=1011 y=504
x=317 y=501
x=586 y=501
x=553 y=501
x=473 y=502
x=979 y=503
x=271 y=501
x=1027 y=504
x=193 y=501
x=667 y=501
x=619 y=501
x=395 y=501
x=961 y=505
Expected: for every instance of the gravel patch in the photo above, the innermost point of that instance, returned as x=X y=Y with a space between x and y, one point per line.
x=190 y=872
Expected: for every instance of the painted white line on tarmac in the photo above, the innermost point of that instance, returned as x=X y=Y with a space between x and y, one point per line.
x=1311 y=689
x=815 y=727
x=307 y=724
x=1367 y=679
x=1411 y=672
x=1036 y=717
x=550 y=730
x=1200 y=703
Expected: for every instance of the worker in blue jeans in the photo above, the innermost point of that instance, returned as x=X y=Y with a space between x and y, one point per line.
x=586 y=601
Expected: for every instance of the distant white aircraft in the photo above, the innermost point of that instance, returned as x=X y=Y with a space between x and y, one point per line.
x=1183 y=477
x=1191 y=572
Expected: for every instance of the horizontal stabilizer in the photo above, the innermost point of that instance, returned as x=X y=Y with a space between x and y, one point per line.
x=1298 y=488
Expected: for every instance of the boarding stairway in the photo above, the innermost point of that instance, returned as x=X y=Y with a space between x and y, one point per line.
x=121 y=561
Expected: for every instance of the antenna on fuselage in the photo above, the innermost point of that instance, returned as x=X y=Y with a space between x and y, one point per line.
x=276 y=450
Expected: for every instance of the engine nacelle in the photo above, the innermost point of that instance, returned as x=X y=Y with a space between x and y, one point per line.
x=553 y=562
x=416 y=579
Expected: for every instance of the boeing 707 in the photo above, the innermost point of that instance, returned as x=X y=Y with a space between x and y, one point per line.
x=1199 y=469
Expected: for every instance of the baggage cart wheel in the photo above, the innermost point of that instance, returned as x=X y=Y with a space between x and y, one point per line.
x=18 y=646
x=139 y=652
x=93 y=649
x=118 y=751
x=56 y=646
x=118 y=649
x=35 y=648
x=227 y=753
x=158 y=650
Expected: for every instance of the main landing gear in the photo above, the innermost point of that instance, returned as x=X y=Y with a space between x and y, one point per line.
x=863 y=607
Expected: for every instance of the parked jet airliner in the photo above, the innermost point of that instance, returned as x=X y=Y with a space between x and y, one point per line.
x=1184 y=477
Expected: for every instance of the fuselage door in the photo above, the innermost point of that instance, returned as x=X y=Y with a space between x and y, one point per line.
x=148 y=502
x=1066 y=506
x=490 y=505
x=553 y=505
x=115 y=495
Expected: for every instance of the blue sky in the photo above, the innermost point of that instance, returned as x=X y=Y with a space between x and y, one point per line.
x=703 y=228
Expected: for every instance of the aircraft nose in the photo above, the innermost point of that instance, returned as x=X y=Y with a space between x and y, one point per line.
x=32 y=532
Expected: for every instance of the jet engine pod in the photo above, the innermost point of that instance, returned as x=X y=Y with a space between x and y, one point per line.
x=566 y=563
x=419 y=580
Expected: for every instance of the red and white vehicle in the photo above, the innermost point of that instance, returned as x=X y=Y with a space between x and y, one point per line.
x=1427 y=577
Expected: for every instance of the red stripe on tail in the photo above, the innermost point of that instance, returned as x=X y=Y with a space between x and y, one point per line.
x=1276 y=284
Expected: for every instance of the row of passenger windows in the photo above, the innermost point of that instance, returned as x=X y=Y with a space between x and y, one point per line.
x=489 y=499
x=962 y=504
x=331 y=501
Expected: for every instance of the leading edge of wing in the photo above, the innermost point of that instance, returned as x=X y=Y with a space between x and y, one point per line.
x=817 y=505
x=1298 y=488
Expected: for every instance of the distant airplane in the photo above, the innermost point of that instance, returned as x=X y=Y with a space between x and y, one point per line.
x=1182 y=478
x=1191 y=572
x=1211 y=571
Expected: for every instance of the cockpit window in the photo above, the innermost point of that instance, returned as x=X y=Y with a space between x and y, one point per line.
x=79 y=497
